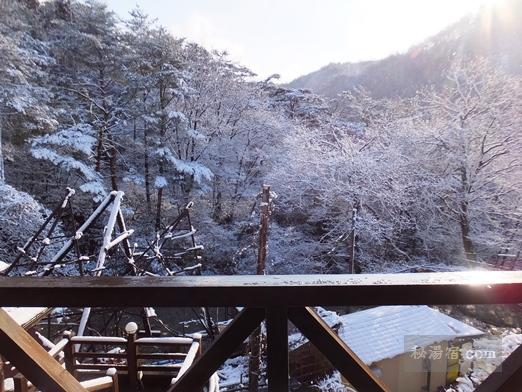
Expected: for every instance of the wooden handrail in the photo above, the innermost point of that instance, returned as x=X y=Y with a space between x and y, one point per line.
x=480 y=287
x=189 y=359
x=99 y=340
x=274 y=298
x=165 y=341
x=98 y=384
x=103 y=383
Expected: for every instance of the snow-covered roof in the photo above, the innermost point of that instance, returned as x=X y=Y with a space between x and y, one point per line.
x=25 y=317
x=387 y=331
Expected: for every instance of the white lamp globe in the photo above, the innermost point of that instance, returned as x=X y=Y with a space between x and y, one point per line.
x=131 y=328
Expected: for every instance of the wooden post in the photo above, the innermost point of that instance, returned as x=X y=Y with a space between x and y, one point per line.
x=263 y=230
x=198 y=337
x=20 y=383
x=1 y=375
x=115 y=382
x=254 y=360
x=132 y=361
x=277 y=351
x=255 y=339
x=68 y=353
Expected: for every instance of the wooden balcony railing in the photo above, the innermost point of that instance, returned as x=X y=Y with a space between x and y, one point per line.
x=137 y=356
x=278 y=299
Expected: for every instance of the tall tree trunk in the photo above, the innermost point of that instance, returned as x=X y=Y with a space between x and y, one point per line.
x=158 y=209
x=255 y=338
x=2 y=174
x=160 y=198
x=162 y=131
x=188 y=186
x=217 y=200
x=146 y=168
x=469 y=248
x=113 y=168
x=99 y=149
x=103 y=128
x=351 y=238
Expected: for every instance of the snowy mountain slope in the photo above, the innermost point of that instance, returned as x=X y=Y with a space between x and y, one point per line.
x=493 y=33
x=330 y=78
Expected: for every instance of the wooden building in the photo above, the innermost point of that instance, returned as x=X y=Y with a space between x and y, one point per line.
x=409 y=348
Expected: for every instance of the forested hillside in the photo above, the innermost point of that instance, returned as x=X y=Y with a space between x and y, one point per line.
x=423 y=171
x=493 y=33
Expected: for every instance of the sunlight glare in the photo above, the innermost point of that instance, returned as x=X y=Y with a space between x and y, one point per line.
x=479 y=277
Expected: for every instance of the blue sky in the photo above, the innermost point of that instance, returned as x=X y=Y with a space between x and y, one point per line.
x=295 y=37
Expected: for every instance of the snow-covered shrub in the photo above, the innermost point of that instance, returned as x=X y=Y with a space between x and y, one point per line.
x=21 y=215
x=333 y=383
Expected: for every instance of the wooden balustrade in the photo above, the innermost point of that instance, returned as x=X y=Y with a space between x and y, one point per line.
x=132 y=360
x=277 y=299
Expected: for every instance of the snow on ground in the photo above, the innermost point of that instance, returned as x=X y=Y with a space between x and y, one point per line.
x=234 y=372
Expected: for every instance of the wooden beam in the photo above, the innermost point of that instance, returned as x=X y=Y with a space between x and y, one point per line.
x=491 y=287
x=32 y=360
x=507 y=377
x=277 y=351
x=225 y=344
x=335 y=350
